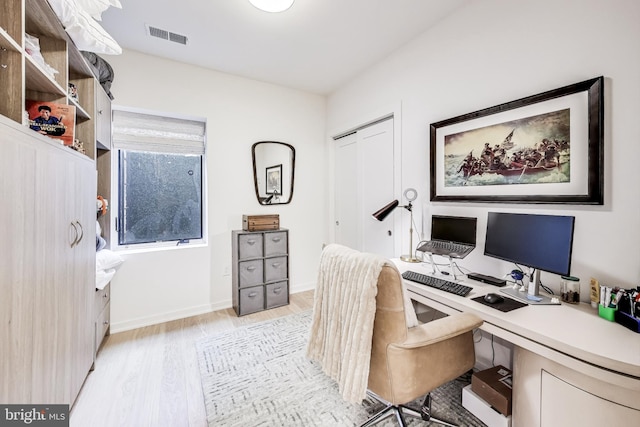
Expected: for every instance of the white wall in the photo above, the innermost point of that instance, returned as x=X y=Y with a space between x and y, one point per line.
x=495 y=51
x=158 y=286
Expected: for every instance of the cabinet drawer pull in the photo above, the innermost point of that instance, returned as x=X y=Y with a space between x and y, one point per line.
x=276 y=239
x=74 y=240
x=251 y=242
x=251 y=268
x=276 y=264
x=81 y=232
x=277 y=290
x=253 y=294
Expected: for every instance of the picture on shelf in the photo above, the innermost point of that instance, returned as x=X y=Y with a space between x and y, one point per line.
x=57 y=121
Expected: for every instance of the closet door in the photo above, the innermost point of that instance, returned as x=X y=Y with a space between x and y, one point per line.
x=47 y=274
x=348 y=228
x=20 y=234
x=376 y=163
x=82 y=276
x=364 y=182
x=52 y=294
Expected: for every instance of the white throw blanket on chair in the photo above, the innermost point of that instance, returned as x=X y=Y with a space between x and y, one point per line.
x=343 y=313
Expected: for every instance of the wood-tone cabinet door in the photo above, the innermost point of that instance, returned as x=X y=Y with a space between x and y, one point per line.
x=47 y=270
x=52 y=298
x=82 y=283
x=19 y=237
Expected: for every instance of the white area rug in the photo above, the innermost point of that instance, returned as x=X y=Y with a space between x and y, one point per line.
x=258 y=375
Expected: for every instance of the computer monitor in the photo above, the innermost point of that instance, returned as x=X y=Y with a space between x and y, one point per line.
x=540 y=242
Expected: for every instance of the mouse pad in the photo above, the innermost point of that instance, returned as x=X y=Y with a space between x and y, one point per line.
x=507 y=305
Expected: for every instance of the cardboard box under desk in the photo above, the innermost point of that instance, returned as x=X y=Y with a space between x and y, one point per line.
x=494 y=386
x=260 y=222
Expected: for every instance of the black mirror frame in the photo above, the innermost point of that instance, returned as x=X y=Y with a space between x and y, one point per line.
x=255 y=176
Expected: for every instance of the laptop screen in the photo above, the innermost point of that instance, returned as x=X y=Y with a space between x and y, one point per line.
x=455 y=229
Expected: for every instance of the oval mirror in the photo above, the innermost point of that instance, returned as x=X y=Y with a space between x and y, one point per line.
x=273 y=167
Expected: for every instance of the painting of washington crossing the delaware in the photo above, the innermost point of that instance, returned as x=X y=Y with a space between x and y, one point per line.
x=530 y=150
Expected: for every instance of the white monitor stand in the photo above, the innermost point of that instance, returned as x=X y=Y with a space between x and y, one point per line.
x=532 y=295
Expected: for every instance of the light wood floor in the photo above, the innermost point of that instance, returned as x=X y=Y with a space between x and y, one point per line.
x=150 y=376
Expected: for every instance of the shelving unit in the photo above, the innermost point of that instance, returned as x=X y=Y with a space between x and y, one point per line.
x=52 y=316
x=260 y=270
x=22 y=78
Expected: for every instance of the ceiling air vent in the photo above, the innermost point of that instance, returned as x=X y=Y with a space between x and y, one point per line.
x=166 y=35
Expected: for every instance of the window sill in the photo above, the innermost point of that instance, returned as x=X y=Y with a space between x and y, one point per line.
x=157 y=247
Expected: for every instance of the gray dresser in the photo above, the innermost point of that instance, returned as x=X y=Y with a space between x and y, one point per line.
x=260 y=270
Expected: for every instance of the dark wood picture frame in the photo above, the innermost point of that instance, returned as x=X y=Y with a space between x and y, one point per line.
x=273 y=179
x=590 y=172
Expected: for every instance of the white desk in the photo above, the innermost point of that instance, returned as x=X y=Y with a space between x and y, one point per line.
x=569 y=363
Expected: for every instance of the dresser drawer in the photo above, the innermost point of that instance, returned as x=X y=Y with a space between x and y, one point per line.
x=102 y=325
x=251 y=300
x=102 y=297
x=275 y=269
x=277 y=294
x=275 y=243
x=249 y=246
x=250 y=273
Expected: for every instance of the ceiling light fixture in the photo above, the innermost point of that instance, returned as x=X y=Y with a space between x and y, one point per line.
x=272 y=5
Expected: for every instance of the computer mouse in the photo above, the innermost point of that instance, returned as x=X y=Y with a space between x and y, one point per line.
x=493 y=298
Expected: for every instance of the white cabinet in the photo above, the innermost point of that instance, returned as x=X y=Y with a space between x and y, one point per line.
x=549 y=394
x=48 y=267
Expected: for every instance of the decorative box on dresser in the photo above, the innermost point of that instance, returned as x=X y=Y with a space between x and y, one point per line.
x=260 y=270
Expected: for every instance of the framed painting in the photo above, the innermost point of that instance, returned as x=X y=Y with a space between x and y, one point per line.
x=274 y=179
x=545 y=148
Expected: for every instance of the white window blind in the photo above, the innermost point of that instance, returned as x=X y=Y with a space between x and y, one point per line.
x=155 y=133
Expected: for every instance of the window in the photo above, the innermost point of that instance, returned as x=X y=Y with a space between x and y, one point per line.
x=161 y=165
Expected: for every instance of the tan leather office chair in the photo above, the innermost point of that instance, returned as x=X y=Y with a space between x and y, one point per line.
x=406 y=362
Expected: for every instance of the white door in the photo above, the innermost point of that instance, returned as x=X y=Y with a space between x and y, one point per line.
x=347 y=225
x=364 y=179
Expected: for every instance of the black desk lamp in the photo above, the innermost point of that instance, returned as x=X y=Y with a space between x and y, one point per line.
x=410 y=194
x=268 y=200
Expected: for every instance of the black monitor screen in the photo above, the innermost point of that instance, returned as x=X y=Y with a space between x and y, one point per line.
x=454 y=229
x=538 y=241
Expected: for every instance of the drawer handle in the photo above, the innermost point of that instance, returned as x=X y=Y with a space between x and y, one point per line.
x=253 y=294
x=276 y=239
x=276 y=264
x=251 y=242
x=251 y=268
x=277 y=290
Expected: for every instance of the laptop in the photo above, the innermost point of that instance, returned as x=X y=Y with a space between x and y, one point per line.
x=451 y=236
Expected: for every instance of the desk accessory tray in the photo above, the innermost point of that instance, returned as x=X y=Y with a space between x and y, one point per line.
x=628 y=321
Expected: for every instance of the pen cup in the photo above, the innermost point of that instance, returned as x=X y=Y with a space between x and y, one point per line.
x=607 y=312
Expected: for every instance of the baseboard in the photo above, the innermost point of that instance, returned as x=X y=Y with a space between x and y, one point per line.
x=169 y=316
x=141 y=322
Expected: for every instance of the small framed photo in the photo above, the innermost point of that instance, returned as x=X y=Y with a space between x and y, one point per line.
x=274 y=179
